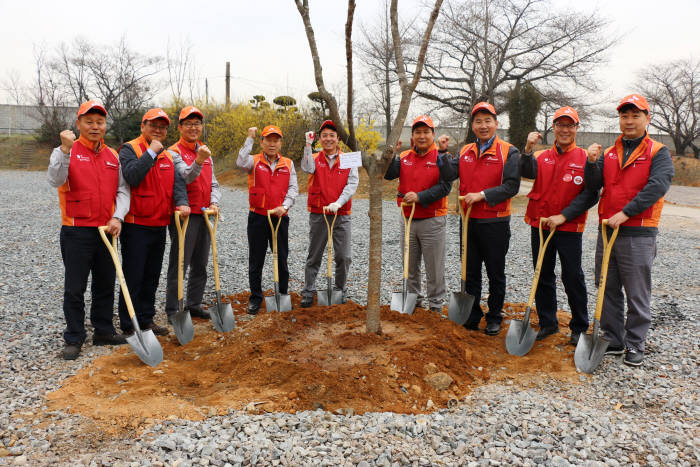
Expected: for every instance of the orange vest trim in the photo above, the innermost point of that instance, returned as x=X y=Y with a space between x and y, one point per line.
x=326 y=184
x=480 y=172
x=267 y=188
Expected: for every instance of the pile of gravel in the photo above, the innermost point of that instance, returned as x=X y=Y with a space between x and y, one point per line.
x=644 y=416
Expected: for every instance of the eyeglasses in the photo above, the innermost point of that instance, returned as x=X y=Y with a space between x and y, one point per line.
x=158 y=127
x=192 y=125
x=566 y=126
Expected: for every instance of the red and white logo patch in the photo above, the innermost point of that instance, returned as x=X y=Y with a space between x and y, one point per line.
x=578 y=180
x=567 y=177
x=83 y=158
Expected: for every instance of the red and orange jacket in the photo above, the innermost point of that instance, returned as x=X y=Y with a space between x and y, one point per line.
x=326 y=184
x=267 y=187
x=199 y=190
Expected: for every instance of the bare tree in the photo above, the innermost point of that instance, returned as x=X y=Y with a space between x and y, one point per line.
x=374 y=164
x=50 y=97
x=482 y=45
x=673 y=91
x=70 y=65
x=180 y=66
x=14 y=87
x=553 y=99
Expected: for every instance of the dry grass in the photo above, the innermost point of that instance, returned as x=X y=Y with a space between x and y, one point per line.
x=687 y=171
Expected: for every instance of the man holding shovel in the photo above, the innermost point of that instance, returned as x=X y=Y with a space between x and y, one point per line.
x=635 y=174
x=560 y=196
x=155 y=188
x=332 y=188
x=272 y=186
x=92 y=192
x=489 y=176
x=424 y=180
x=193 y=162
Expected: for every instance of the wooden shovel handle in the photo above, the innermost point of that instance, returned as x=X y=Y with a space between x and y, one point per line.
x=538 y=264
x=112 y=248
x=607 y=251
x=274 y=243
x=212 y=235
x=329 y=228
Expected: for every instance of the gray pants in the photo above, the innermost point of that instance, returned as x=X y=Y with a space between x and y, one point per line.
x=197 y=243
x=629 y=268
x=427 y=241
x=342 y=252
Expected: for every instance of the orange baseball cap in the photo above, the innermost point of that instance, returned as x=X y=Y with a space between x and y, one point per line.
x=271 y=129
x=425 y=120
x=87 y=106
x=484 y=106
x=190 y=110
x=566 y=112
x=636 y=100
x=153 y=114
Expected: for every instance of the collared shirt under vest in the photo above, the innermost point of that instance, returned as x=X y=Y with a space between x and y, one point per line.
x=559 y=180
x=199 y=190
x=267 y=186
x=478 y=172
x=89 y=194
x=622 y=183
x=327 y=183
x=418 y=173
x=152 y=200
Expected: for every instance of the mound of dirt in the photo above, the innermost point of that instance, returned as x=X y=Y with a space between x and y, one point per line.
x=306 y=359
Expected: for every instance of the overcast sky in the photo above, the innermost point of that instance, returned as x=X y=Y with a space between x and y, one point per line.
x=265 y=41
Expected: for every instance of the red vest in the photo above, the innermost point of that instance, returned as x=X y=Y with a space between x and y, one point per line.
x=559 y=180
x=479 y=172
x=89 y=195
x=621 y=184
x=152 y=199
x=199 y=190
x=267 y=188
x=419 y=173
x=326 y=184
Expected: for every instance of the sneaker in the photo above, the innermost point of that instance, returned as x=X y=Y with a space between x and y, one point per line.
x=546 y=331
x=108 y=339
x=633 y=357
x=307 y=301
x=71 y=351
x=573 y=340
x=157 y=330
x=615 y=350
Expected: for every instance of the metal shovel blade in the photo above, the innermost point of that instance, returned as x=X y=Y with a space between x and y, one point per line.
x=590 y=351
x=404 y=302
x=330 y=296
x=521 y=336
x=182 y=324
x=222 y=315
x=460 y=307
x=278 y=301
x=145 y=345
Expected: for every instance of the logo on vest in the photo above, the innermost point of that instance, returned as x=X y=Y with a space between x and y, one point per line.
x=83 y=158
x=612 y=155
x=263 y=167
x=492 y=158
x=283 y=170
x=406 y=161
x=575 y=166
x=578 y=180
x=567 y=177
x=549 y=160
x=111 y=164
x=163 y=165
x=468 y=158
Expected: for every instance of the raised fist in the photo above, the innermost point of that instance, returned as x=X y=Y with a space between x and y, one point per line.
x=443 y=142
x=67 y=140
x=532 y=138
x=203 y=153
x=252 y=132
x=594 y=152
x=156 y=146
x=309 y=135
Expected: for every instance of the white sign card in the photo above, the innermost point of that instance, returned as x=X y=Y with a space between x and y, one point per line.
x=349 y=160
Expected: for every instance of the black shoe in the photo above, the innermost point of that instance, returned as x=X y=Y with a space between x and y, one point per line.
x=546 y=331
x=253 y=308
x=307 y=301
x=573 y=340
x=197 y=312
x=108 y=339
x=436 y=309
x=71 y=351
x=615 y=350
x=492 y=329
x=157 y=330
x=633 y=357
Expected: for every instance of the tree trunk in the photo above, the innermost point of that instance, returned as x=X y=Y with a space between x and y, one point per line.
x=374 y=279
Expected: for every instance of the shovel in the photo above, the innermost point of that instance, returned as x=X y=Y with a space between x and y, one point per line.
x=329 y=296
x=521 y=336
x=590 y=349
x=278 y=302
x=143 y=343
x=222 y=316
x=182 y=322
x=405 y=302
x=460 y=306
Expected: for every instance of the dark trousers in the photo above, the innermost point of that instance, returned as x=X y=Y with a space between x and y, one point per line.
x=568 y=246
x=196 y=256
x=259 y=237
x=142 y=258
x=84 y=253
x=487 y=243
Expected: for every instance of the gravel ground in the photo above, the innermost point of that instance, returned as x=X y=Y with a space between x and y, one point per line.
x=644 y=416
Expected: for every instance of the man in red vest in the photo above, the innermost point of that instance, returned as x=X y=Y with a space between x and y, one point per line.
x=332 y=187
x=156 y=187
x=424 y=179
x=272 y=185
x=635 y=174
x=559 y=195
x=92 y=192
x=193 y=161
x=489 y=176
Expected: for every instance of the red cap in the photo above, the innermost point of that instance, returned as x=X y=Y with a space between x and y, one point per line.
x=328 y=124
x=190 y=110
x=484 y=106
x=636 y=100
x=566 y=112
x=425 y=120
x=271 y=129
x=87 y=106
x=153 y=114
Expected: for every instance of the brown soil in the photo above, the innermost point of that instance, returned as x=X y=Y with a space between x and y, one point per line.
x=306 y=359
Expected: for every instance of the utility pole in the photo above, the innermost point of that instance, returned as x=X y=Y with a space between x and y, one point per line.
x=228 y=84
